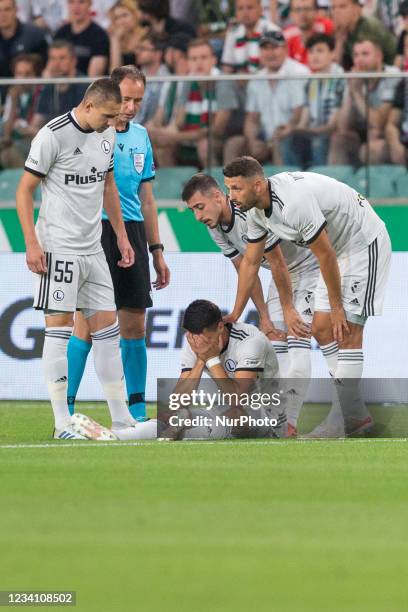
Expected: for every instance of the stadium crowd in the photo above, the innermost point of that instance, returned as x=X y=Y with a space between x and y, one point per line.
x=294 y=122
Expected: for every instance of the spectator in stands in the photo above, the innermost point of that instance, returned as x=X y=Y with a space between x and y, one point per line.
x=202 y=108
x=125 y=33
x=155 y=14
x=91 y=42
x=273 y=107
x=17 y=37
x=323 y=99
x=360 y=137
x=241 y=48
x=149 y=58
x=19 y=108
x=396 y=131
x=175 y=54
x=350 y=26
x=401 y=59
x=305 y=23
x=56 y=100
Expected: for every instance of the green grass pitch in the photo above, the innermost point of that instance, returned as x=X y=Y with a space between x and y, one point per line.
x=195 y=527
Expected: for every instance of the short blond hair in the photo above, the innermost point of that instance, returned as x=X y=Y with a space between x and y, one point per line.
x=130 y=5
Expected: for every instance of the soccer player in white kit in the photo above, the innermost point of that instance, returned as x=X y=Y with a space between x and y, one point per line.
x=352 y=246
x=237 y=356
x=72 y=158
x=228 y=227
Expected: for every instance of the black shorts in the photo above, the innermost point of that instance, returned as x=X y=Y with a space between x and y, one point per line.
x=131 y=285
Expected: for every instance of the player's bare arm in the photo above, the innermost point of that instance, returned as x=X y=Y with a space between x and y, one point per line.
x=247 y=275
x=326 y=255
x=151 y=222
x=35 y=256
x=189 y=379
x=280 y=273
x=111 y=204
x=265 y=324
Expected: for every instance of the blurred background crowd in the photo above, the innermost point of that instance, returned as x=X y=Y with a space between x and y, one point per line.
x=298 y=122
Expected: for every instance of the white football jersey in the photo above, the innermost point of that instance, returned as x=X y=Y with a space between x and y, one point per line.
x=73 y=164
x=247 y=349
x=232 y=240
x=305 y=203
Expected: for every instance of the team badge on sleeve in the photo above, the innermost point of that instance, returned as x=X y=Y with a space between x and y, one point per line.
x=139 y=162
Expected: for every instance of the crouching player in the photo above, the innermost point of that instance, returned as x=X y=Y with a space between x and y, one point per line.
x=237 y=357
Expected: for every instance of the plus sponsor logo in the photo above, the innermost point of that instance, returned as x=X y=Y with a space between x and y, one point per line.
x=94 y=177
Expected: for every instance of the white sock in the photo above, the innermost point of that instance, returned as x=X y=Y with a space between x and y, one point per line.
x=330 y=353
x=299 y=372
x=348 y=375
x=281 y=351
x=350 y=363
x=55 y=364
x=109 y=369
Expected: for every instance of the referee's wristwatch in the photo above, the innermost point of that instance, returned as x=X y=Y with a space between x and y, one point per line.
x=156 y=247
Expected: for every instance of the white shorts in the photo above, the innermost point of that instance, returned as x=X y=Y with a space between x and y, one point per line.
x=74 y=282
x=363 y=279
x=303 y=286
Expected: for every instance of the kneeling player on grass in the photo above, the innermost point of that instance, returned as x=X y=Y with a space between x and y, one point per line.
x=72 y=156
x=353 y=248
x=237 y=357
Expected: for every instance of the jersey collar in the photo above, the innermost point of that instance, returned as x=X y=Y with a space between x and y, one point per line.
x=123 y=131
x=231 y=223
x=71 y=117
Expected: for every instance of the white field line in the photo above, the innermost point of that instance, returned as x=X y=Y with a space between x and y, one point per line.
x=201 y=442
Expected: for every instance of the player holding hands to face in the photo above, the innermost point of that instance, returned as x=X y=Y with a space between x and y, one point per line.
x=236 y=356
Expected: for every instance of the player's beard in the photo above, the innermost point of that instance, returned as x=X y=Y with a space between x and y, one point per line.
x=245 y=206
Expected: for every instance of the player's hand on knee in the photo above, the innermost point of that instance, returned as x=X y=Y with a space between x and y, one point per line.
x=35 y=259
x=339 y=324
x=296 y=325
x=268 y=328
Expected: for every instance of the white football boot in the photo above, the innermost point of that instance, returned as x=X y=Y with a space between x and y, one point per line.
x=67 y=433
x=83 y=425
